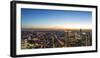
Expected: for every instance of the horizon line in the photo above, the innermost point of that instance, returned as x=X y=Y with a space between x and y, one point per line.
x=59 y=28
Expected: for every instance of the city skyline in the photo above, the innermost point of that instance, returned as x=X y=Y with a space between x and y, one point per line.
x=55 y=19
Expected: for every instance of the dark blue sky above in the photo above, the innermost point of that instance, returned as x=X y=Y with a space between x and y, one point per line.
x=31 y=18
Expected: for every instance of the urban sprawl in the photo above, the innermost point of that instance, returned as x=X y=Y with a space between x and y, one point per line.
x=34 y=39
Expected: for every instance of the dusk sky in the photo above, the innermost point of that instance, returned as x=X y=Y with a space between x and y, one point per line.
x=61 y=19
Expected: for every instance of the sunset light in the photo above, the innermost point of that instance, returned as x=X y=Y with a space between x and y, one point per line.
x=43 y=28
x=56 y=19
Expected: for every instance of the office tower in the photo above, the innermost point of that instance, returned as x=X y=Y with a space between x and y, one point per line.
x=66 y=39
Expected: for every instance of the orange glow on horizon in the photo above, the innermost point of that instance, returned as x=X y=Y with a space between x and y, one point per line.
x=65 y=26
x=73 y=26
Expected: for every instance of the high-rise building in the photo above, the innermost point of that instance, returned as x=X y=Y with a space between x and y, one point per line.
x=66 y=39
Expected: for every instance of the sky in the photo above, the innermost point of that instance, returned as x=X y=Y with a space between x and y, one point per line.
x=55 y=19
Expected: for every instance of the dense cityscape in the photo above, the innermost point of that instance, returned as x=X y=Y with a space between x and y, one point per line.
x=52 y=28
x=34 y=39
